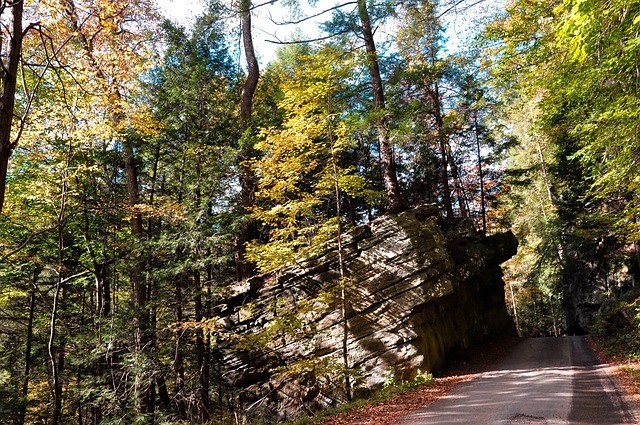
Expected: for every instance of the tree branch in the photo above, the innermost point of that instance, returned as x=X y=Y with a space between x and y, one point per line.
x=268 y=2
x=456 y=4
x=24 y=243
x=306 y=18
x=311 y=40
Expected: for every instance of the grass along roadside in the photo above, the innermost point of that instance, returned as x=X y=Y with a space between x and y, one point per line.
x=394 y=402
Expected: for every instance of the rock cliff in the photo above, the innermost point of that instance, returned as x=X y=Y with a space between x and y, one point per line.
x=416 y=291
x=594 y=270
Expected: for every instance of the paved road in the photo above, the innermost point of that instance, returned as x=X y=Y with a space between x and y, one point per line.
x=543 y=381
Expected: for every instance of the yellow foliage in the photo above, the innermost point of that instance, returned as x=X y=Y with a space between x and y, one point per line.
x=301 y=167
x=164 y=209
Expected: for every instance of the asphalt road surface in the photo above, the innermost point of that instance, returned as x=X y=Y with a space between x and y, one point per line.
x=543 y=381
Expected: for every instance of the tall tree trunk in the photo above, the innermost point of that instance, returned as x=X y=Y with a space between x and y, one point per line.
x=143 y=336
x=543 y=168
x=142 y=315
x=343 y=284
x=442 y=142
x=202 y=355
x=8 y=80
x=178 y=360
x=457 y=184
x=22 y=412
x=253 y=70
x=247 y=233
x=480 y=176
x=395 y=203
x=56 y=354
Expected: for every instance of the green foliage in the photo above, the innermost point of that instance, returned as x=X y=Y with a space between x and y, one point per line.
x=617 y=326
x=69 y=209
x=564 y=70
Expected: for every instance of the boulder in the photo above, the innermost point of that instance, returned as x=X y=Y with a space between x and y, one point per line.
x=416 y=290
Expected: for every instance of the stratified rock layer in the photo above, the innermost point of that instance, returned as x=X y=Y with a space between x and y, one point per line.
x=416 y=292
x=594 y=270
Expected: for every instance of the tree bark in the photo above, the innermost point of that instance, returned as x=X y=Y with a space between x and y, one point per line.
x=395 y=203
x=202 y=355
x=442 y=142
x=56 y=354
x=8 y=94
x=457 y=184
x=480 y=176
x=143 y=333
x=247 y=233
x=27 y=356
x=178 y=360
x=253 y=70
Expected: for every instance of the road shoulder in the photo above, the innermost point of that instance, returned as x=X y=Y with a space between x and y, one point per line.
x=463 y=368
x=626 y=374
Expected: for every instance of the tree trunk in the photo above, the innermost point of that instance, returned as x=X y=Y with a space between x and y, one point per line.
x=395 y=203
x=8 y=94
x=543 y=168
x=442 y=142
x=142 y=315
x=56 y=356
x=253 y=71
x=163 y=393
x=141 y=320
x=457 y=184
x=178 y=360
x=202 y=355
x=343 y=285
x=247 y=233
x=27 y=356
x=480 y=176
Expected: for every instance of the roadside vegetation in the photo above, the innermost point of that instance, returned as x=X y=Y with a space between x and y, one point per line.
x=616 y=337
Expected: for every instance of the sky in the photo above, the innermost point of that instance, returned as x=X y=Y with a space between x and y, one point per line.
x=180 y=10
x=264 y=29
x=458 y=22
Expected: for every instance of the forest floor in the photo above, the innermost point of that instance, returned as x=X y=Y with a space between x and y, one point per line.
x=471 y=363
x=475 y=361
x=626 y=371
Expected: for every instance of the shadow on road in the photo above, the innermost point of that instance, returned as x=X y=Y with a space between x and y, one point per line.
x=543 y=381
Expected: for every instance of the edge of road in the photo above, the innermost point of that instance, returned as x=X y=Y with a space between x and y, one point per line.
x=621 y=374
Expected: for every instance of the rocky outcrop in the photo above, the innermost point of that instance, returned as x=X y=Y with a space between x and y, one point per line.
x=594 y=270
x=415 y=292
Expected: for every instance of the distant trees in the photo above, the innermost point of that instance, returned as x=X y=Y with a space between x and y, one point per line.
x=568 y=87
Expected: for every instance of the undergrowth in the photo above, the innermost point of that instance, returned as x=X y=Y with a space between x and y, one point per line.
x=617 y=327
x=388 y=391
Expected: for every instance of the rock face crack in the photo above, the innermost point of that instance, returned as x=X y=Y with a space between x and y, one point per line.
x=527 y=420
x=417 y=291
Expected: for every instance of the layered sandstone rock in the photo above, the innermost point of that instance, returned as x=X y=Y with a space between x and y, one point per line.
x=417 y=291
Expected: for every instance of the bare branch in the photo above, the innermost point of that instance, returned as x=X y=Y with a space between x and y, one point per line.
x=458 y=3
x=25 y=243
x=75 y=276
x=306 y=18
x=31 y=26
x=266 y=3
x=311 y=40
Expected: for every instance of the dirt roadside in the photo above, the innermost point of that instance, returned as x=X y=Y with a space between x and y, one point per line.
x=625 y=371
x=475 y=361
x=468 y=365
